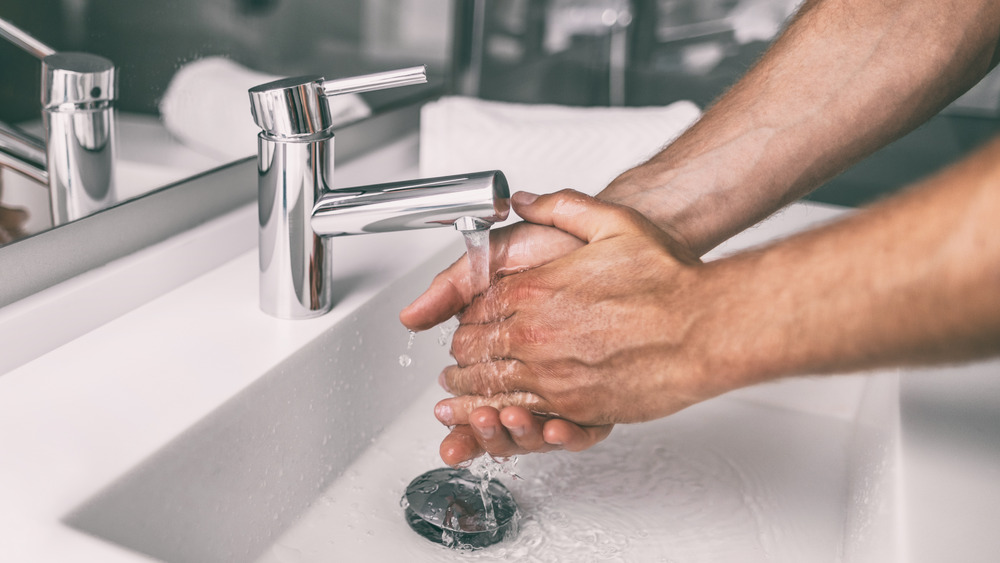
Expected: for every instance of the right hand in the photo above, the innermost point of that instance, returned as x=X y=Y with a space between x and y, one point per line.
x=514 y=429
x=514 y=248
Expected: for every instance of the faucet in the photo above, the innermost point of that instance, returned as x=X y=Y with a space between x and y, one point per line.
x=76 y=159
x=299 y=211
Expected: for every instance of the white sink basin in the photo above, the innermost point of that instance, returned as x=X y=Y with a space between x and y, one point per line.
x=309 y=463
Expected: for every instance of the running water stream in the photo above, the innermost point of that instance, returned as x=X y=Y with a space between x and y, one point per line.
x=484 y=468
x=477 y=244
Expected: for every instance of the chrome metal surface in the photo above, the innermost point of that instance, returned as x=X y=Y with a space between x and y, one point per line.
x=81 y=149
x=297 y=107
x=469 y=201
x=295 y=268
x=22 y=39
x=22 y=152
x=299 y=210
x=376 y=81
x=77 y=78
x=446 y=507
x=77 y=157
x=291 y=107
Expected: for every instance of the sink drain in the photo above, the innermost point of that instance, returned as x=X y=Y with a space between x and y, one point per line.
x=445 y=506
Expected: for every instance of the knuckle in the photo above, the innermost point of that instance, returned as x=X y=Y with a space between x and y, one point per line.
x=529 y=334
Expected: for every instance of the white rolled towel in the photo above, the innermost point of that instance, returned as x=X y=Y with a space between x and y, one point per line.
x=206 y=106
x=545 y=148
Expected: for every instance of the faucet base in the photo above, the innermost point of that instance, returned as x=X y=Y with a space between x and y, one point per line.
x=295 y=268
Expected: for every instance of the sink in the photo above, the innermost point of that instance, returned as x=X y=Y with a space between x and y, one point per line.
x=309 y=461
x=228 y=487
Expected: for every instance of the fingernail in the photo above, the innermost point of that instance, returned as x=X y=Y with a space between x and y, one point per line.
x=524 y=198
x=443 y=383
x=486 y=432
x=443 y=413
x=516 y=431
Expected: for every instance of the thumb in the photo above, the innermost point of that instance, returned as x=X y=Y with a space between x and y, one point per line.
x=578 y=214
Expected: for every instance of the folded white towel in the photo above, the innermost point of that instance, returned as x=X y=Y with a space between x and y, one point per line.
x=545 y=148
x=206 y=106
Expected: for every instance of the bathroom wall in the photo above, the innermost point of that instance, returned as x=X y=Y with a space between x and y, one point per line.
x=20 y=74
x=150 y=40
x=565 y=52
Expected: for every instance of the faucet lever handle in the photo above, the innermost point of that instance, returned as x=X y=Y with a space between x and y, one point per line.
x=297 y=106
x=375 y=81
x=25 y=41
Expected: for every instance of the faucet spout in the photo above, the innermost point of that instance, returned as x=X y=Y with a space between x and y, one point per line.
x=470 y=202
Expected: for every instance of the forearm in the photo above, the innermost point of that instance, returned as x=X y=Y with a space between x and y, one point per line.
x=847 y=77
x=912 y=280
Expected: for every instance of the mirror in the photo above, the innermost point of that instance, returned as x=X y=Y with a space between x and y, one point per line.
x=169 y=130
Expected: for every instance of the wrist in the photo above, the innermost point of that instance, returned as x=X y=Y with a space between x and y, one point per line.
x=737 y=340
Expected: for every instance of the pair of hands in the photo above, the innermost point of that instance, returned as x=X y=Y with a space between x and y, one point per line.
x=587 y=324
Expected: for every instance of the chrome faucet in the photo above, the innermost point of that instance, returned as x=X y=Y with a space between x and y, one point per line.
x=299 y=210
x=76 y=159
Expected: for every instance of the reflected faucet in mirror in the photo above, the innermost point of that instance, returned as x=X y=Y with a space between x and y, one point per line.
x=299 y=211
x=76 y=158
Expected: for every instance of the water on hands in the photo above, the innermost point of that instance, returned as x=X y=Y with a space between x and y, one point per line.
x=477 y=245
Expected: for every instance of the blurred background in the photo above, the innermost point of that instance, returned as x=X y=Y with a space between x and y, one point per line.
x=573 y=52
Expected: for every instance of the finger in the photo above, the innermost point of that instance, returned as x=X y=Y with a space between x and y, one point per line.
x=449 y=293
x=527 y=245
x=525 y=429
x=457 y=410
x=499 y=301
x=578 y=214
x=491 y=434
x=490 y=341
x=573 y=437
x=512 y=249
x=459 y=446
x=488 y=379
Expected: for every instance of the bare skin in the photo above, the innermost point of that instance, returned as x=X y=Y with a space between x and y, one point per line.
x=844 y=79
x=11 y=224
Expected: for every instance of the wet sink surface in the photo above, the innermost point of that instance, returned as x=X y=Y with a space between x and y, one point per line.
x=729 y=480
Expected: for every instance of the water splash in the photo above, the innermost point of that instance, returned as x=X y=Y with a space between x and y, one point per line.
x=477 y=244
x=404 y=359
x=447 y=328
x=485 y=468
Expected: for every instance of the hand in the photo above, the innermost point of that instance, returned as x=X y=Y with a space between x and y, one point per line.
x=515 y=430
x=514 y=248
x=602 y=335
x=11 y=224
